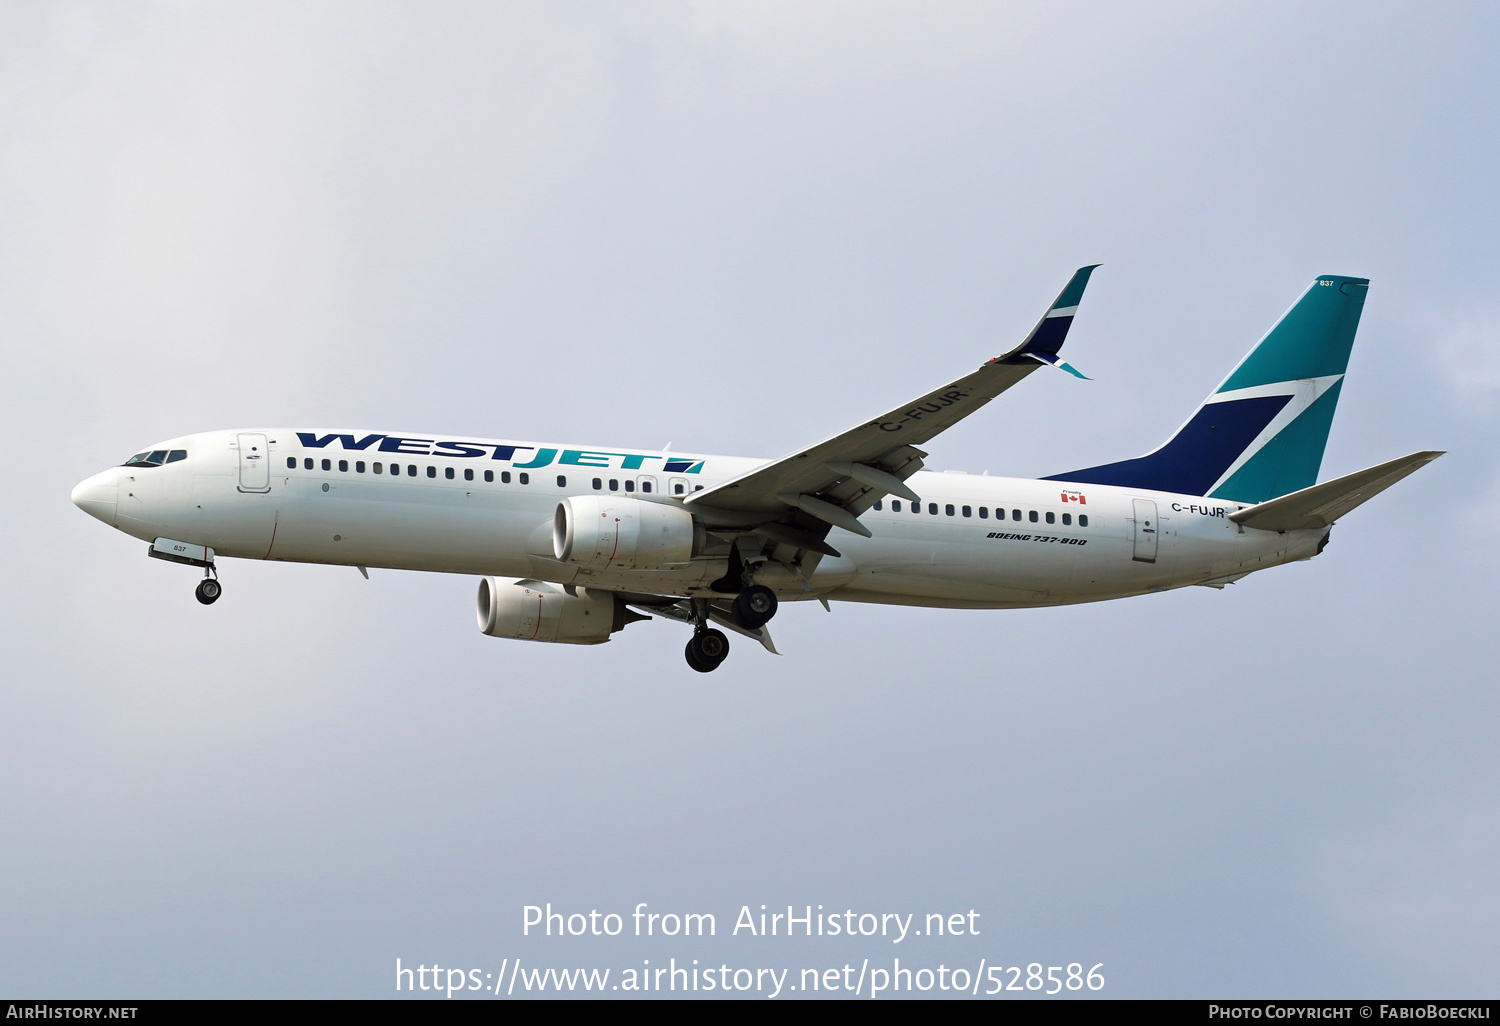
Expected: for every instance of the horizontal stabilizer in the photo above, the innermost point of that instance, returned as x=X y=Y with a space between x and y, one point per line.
x=1322 y=504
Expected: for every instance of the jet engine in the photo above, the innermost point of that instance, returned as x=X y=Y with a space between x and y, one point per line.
x=612 y=532
x=538 y=611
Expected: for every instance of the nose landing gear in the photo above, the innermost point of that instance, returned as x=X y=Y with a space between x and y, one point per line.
x=209 y=589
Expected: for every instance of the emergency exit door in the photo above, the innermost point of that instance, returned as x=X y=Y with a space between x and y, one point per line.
x=1146 y=531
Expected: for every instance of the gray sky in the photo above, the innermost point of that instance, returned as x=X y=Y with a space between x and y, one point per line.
x=738 y=228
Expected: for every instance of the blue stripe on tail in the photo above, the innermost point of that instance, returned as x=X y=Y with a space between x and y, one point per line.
x=1195 y=457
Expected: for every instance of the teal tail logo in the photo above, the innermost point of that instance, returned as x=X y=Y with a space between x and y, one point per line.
x=1262 y=432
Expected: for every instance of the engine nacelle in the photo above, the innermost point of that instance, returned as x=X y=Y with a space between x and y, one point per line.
x=538 y=611
x=612 y=532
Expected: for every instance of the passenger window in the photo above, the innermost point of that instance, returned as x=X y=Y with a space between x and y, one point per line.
x=967 y=511
x=504 y=477
x=1051 y=518
x=176 y=454
x=562 y=482
x=327 y=464
x=948 y=509
x=984 y=512
x=916 y=507
x=525 y=478
x=1015 y=514
x=448 y=473
x=598 y=484
x=432 y=471
x=377 y=468
x=678 y=489
x=1032 y=516
x=877 y=504
x=932 y=509
x=468 y=473
x=697 y=488
x=291 y=463
x=645 y=486
x=1083 y=520
x=895 y=506
x=1067 y=519
x=614 y=485
x=359 y=467
x=489 y=475
x=411 y=470
x=307 y=463
x=630 y=486
x=343 y=466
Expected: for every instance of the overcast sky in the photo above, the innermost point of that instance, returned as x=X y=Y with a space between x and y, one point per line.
x=739 y=228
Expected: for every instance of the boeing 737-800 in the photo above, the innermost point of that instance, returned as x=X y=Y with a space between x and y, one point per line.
x=574 y=542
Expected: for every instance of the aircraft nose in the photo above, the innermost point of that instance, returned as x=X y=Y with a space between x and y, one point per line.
x=99 y=496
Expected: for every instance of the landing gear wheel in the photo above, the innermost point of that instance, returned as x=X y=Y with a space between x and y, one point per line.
x=755 y=606
x=209 y=591
x=707 y=650
x=692 y=660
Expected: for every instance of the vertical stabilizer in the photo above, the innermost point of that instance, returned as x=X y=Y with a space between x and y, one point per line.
x=1262 y=432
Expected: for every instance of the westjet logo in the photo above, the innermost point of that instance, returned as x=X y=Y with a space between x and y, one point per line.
x=535 y=457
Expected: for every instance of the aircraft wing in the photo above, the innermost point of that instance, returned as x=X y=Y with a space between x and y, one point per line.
x=839 y=478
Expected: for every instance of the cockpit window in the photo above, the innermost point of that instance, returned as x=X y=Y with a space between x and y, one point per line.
x=156 y=458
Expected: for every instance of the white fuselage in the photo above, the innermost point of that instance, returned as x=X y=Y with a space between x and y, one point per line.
x=270 y=505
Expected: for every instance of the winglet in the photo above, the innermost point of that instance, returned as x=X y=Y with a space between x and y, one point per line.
x=1048 y=335
x=1072 y=292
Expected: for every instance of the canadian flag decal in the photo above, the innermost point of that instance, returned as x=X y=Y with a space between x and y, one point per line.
x=1075 y=497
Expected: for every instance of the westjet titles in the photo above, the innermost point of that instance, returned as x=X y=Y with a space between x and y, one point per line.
x=505 y=451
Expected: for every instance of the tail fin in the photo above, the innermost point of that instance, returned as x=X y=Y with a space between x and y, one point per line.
x=1262 y=432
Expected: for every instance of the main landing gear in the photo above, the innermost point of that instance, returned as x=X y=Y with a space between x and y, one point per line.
x=209 y=589
x=754 y=606
x=707 y=649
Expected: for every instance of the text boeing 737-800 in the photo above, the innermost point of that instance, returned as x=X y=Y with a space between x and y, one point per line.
x=574 y=542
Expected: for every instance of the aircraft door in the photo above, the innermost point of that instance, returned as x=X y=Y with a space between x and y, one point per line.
x=646 y=483
x=255 y=463
x=678 y=486
x=1147 y=530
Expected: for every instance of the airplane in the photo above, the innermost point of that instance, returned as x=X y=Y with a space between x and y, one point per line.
x=574 y=542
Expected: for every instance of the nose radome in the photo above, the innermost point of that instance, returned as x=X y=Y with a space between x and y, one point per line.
x=99 y=496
